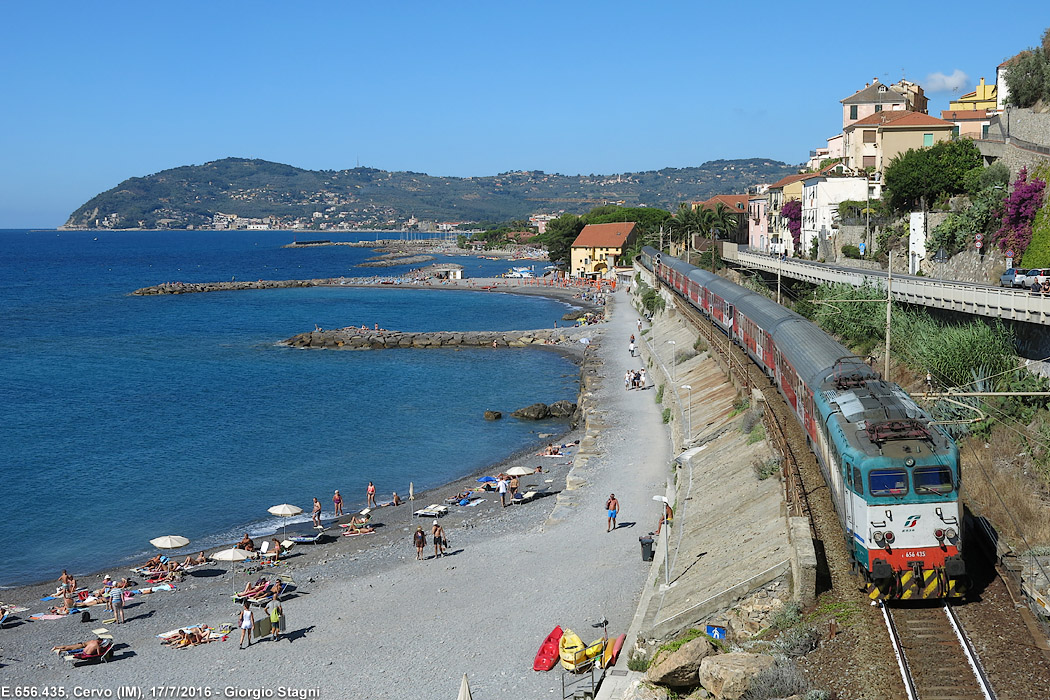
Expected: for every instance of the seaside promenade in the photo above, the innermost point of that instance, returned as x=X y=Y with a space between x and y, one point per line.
x=368 y=620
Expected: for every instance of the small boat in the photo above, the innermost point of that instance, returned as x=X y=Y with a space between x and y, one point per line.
x=612 y=651
x=547 y=656
x=574 y=655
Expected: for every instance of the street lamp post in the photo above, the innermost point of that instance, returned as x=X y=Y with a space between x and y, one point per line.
x=688 y=412
x=667 y=545
x=672 y=344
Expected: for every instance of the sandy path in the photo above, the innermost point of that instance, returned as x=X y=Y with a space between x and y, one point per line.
x=380 y=624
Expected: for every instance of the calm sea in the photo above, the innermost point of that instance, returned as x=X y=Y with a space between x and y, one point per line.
x=125 y=418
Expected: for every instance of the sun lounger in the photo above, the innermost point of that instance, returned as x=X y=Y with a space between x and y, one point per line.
x=525 y=497
x=262 y=600
x=79 y=658
x=434 y=510
x=307 y=539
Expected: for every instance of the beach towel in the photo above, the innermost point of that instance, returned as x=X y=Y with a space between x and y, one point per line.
x=49 y=616
x=473 y=502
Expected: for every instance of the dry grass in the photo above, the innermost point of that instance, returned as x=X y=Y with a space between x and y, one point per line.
x=1002 y=483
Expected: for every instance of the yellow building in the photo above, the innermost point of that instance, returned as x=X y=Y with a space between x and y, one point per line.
x=598 y=247
x=984 y=97
x=871 y=143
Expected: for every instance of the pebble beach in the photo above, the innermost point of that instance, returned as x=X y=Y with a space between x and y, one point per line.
x=366 y=619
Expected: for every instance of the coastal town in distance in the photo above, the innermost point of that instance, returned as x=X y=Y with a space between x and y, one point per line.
x=754 y=429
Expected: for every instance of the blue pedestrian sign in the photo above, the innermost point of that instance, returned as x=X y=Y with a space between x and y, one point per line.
x=716 y=632
x=862 y=247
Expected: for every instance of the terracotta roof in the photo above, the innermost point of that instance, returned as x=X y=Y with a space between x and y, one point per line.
x=604 y=235
x=964 y=114
x=898 y=118
x=733 y=202
x=783 y=182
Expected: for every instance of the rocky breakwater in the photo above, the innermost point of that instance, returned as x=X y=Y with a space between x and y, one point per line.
x=361 y=339
x=196 y=287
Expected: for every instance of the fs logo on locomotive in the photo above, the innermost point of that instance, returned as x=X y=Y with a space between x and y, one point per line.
x=911 y=521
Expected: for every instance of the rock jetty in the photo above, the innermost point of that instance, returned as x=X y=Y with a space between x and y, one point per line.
x=193 y=288
x=361 y=339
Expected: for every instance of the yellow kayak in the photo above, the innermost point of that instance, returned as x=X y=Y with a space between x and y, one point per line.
x=571 y=651
x=574 y=655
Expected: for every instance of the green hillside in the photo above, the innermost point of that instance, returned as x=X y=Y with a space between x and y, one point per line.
x=364 y=197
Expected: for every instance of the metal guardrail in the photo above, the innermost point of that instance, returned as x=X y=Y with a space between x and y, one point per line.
x=981 y=300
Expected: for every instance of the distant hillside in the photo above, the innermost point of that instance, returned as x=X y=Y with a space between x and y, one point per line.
x=285 y=196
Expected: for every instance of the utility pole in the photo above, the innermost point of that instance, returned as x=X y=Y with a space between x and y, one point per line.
x=780 y=264
x=889 y=308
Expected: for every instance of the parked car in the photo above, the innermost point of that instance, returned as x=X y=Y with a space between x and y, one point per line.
x=1039 y=275
x=1014 y=277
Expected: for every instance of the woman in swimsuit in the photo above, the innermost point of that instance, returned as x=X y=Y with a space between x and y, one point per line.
x=337 y=501
x=247 y=622
x=371 y=495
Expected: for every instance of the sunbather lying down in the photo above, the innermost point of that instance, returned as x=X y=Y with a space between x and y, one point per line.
x=253 y=590
x=189 y=638
x=93 y=646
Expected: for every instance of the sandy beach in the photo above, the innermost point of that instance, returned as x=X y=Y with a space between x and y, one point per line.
x=368 y=620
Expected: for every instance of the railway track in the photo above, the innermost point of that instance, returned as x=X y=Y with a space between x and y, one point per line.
x=937 y=661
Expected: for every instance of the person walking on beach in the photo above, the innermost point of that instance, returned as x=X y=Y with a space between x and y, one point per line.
x=276 y=613
x=337 y=501
x=627 y=380
x=371 y=495
x=247 y=622
x=317 y=514
x=641 y=379
x=501 y=486
x=116 y=602
x=419 y=539
x=631 y=348
x=438 y=533
x=612 y=506
x=639 y=325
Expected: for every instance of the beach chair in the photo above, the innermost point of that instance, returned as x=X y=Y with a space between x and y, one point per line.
x=434 y=510
x=306 y=539
x=79 y=658
x=286 y=586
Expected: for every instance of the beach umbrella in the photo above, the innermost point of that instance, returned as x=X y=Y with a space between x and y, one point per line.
x=411 y=492
x=464 y=689
x=486 y=479
x=520 y=471
x=285 y=510
x=169 y=542
x=232 y=555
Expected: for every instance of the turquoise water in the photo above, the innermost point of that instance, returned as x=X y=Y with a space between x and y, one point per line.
x=129 y=417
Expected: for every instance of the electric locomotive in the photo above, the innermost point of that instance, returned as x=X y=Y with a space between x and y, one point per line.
x=893 y=474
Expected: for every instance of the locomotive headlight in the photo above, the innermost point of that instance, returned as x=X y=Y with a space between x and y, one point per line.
x=939 y=534
x=889 y=537
x=877 y=536
x=950 y=533
x=909 y=462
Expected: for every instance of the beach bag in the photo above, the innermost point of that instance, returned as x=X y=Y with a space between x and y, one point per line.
x=85 y=616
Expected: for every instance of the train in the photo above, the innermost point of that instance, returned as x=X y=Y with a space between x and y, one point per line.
x=892 y=472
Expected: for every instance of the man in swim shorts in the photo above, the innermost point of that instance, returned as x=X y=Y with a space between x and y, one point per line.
x=612 y=506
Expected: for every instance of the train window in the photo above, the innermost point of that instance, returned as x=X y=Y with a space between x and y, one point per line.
x=888 y=482
x=858 y=481
x=933 y=480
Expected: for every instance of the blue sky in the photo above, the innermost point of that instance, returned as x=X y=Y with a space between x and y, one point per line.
x=94 y=93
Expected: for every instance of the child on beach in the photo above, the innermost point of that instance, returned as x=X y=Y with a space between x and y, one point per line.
x=420 y=540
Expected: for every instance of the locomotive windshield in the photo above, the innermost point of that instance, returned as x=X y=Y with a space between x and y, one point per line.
x=933 y=480
x=888 y=482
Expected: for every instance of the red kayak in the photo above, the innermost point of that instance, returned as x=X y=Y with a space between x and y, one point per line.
x=547 y=656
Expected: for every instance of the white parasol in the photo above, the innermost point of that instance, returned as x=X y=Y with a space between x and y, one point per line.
x=285 y=510
x=169 y=542
x=464 y=689
x=520 y=471
x=233 y=555
x=411 y=492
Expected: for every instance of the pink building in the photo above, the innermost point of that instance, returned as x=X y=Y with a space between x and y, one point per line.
x=757 y=225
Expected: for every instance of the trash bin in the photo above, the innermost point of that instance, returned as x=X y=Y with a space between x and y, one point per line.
x=647 y=547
